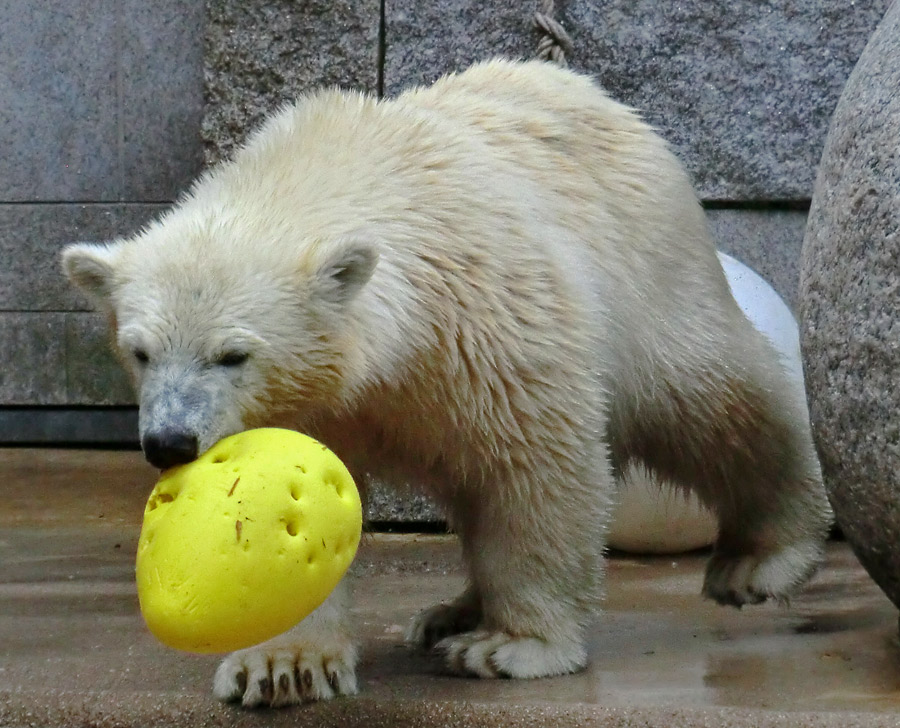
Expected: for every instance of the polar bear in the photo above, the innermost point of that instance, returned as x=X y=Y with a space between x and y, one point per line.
x=501 y=288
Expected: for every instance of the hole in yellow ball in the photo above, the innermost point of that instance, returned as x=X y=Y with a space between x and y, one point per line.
x=334 y=480
x=292 y=527
x=159 y=499
x=296 y=491
x=301 y=468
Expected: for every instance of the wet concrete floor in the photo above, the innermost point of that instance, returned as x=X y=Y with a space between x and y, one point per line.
x=74 y=650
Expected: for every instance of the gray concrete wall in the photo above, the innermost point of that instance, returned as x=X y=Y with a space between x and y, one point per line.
x=108 y=108
x=101 y=103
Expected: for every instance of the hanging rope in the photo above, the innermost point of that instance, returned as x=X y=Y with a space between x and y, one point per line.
x=555 y=42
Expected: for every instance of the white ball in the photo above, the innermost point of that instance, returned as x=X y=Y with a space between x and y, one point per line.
x=654 y=518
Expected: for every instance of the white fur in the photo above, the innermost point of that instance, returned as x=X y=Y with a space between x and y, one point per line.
x=500 y=288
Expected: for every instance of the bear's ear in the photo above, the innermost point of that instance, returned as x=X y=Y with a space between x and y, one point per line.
x=90 y=266
x=341 y=267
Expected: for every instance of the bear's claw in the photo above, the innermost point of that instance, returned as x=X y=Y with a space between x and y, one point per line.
x=286 y=675
x=495 y=654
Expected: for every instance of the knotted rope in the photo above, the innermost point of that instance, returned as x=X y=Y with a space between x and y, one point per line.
x=555 y=42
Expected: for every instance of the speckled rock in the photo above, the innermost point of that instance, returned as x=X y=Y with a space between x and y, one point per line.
x=850 y=308
x=423 y=41
x=742 y=90
x=262 y=53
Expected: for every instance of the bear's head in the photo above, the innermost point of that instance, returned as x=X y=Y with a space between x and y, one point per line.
x=220 y=330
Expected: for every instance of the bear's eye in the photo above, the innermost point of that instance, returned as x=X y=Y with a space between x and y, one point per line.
x=141 y=356
x=232 y=358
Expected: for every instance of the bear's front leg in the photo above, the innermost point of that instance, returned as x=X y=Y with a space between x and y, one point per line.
x=533 y=544
x=316 y=660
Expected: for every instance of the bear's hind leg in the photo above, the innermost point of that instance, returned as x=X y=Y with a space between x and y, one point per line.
x=774 y=518
x=748 y=453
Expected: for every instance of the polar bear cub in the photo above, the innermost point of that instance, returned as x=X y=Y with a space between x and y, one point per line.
x=500 y=288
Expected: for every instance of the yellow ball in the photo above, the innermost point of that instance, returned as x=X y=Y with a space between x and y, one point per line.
x=244 y=542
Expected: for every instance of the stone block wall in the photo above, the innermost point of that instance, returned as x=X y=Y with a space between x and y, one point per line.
x=108 y=108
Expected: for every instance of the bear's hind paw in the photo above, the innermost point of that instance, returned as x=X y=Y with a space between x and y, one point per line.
x=441 y=621
x=489 y=654
x=752 y=578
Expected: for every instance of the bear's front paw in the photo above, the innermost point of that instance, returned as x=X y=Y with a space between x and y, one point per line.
x=286 y=674
x=492 y=654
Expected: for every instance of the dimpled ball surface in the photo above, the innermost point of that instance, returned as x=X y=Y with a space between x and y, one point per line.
x=244 y=542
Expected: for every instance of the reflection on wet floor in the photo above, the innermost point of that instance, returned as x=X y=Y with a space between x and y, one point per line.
x=69 y=620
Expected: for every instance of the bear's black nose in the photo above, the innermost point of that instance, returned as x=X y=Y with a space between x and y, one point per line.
x=169 y=447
